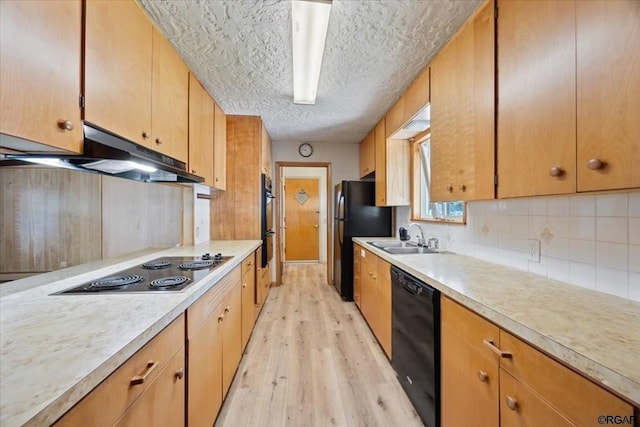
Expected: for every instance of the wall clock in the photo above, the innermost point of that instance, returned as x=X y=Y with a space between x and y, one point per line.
x=305 y=149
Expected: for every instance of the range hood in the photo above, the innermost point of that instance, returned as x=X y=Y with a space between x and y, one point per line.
x=418 y=123
x=110 y=154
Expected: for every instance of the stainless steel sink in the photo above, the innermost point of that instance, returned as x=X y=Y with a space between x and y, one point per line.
x=409 y=250
x=393 y=244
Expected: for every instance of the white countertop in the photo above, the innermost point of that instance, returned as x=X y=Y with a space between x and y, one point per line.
x=55 y=349
x=597 y=334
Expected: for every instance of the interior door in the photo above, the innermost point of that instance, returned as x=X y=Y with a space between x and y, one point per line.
x=301 y=213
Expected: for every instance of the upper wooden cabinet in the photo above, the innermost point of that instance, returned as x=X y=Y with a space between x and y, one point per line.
x=40 y=51
x=417 y=95
x=392 y=168
x=367 y=155
x=395 y=118
x=201 y=131
x=608 y=94
x=135 y=84
x=536 y=98
x=462 y=113
x=266 y=152
x=219 y=148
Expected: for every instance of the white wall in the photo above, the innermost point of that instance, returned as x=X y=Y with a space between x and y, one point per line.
x=591 y=241
x=321 y=174
x=201 y=212
x=344 y=158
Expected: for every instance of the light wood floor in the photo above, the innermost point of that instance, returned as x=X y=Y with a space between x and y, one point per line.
x=313 y=361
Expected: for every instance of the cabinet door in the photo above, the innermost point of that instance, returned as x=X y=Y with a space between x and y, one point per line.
x=117 y=87
x=162 y=404
x=417 y=95
x=608 y=94
x=219 y=148
x=383 y=305
x=231 y=336
x=248 y=304
x=201 y=119
x=536 y=98
x=398 y=172
x=380 y=154
x=469 y=383
x=367 y=289
x=40 y=50
x=205 y=371
x=367 y=155
x=462 y=113
x=266 y=152
x=170 y=97
x=395 y=118
x=356 y=275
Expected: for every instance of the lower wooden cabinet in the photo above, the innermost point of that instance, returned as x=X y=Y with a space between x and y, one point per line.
x=494 y=378
x=375 y=296
x=148 y=389
x=248 y=297
x=357 y=250
x=231 y=335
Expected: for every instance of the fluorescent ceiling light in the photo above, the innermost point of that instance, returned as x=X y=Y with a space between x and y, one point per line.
x=309 y=20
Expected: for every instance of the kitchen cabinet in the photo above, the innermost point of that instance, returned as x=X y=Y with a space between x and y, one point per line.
x=608 y=87
x=392 y=168
x=266 y=152
x=236 y=213
x=40 y=51
x=491 y=375
x=201 y=131
x=147 y=387
x=417 y=94
x=395 y=118
x=248 y=297
x=375 y=288
x=214 y=348
x=462 y=112
x=135 y=84
x=356 y=275
x=219 y=148
x=367 y=155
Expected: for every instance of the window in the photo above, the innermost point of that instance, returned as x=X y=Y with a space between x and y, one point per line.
x=422 y=207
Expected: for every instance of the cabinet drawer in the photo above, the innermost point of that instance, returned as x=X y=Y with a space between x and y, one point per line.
x=109 y=400
x=520 y=407
x=470 y=327
x=249 y=263
x=162 y=404
x=204 y=306
x=559 y=385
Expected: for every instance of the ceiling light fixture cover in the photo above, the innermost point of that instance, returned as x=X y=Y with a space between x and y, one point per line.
x=309 y=22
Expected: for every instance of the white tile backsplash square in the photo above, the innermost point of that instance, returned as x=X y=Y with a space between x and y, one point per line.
x=634 y=204
x=518 y=207
x=520 y=225
x=538 y=206
x=582 y=251
x=634 y=231
x=634 y=286
x=583 y=274
x=583 y=228
x=613 y=255
x=582 y=206
x=612 y=229
x=558 y=206
x=560 y=225
x=559 y=247
x=558 y=269
x=612 y=281
x=612 y=205
x=535 y=226
x=539 y=268
x=634 y=258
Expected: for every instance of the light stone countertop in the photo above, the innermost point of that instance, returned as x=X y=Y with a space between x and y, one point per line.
x=595 y=333
x=55 y=349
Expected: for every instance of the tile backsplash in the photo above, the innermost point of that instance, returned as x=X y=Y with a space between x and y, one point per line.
x=591 y=241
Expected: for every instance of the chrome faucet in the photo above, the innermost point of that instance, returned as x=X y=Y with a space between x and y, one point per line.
x=421 y=241
x=432 y=243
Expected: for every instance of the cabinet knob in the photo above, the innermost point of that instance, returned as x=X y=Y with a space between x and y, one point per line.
x=216 y=179
x=193 y=171
x=450 y=188
x=221 y=318
x=556 y=171
x=244 y=285
x=158 y=141
x=483 y=376
x=65 y=125
x=179 y=373
x=145 y=134
x=595 y=164
x=512 y=403
x=463 y=187
x=226 y=309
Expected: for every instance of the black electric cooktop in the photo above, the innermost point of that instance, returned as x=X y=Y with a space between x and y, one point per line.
x=166 y=274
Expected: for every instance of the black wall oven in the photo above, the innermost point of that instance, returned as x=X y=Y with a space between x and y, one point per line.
x=266 y=221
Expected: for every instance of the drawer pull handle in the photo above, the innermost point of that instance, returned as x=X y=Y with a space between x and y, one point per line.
x=139 y=379
x=483 y=376
x=512 y=403
x=180 y=373
x=496 y=350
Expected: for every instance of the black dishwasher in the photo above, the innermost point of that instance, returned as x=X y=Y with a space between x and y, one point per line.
x=415 y=343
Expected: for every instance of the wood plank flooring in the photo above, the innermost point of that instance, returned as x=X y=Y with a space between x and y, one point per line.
x=313 y=361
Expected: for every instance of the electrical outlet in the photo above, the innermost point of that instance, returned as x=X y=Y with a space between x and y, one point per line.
x=533 y=250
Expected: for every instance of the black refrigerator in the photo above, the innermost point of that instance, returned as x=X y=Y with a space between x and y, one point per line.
x=356 y=215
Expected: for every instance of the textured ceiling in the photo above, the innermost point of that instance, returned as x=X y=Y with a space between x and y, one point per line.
x=241 y=51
